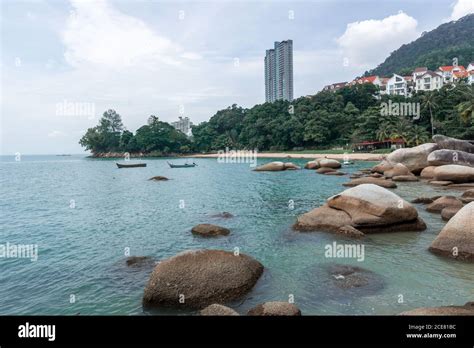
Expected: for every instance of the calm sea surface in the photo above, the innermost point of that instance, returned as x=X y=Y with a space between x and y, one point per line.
x=84 y=214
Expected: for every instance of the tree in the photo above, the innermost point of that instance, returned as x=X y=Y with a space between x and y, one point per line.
x=428 y=102
x=466 y=108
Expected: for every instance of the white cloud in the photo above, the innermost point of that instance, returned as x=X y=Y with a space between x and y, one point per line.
x=462 y=8
x=97 y=33
x=367 y=43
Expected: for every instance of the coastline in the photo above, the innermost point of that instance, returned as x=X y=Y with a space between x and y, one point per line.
x=351 y=156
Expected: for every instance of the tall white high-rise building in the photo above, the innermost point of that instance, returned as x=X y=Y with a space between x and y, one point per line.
x=279 y=72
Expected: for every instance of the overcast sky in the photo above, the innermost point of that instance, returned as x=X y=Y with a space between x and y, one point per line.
x=166 y=57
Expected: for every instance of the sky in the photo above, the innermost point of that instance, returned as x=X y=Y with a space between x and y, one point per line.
x=63 y=63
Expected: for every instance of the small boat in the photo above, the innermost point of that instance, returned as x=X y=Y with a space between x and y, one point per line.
x=130 y=165
x=347 y=163
x=186 y=165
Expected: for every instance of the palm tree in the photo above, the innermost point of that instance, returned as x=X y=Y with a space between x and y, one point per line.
x=466 y=108
x=401 y=130
x=384 y=132
x=418 y=135
x=428 y=102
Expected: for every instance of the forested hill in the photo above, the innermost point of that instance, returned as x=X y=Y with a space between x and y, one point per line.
x=433 y=49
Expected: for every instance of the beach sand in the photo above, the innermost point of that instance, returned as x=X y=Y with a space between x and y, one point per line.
x=349 y=156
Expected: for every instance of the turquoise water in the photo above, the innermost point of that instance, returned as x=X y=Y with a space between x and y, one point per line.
x=82 y=249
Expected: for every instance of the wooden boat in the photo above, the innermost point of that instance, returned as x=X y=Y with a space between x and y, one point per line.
x=130 y=165
x=186 y=165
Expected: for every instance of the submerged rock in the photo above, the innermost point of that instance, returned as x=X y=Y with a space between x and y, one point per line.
x=370 y=180
x=425 y=200
x=138 y=261
x=325 y=170
x=405 y=178
x=275 y=308
x=336 y=172
x=444 y=202
x=467 y=309
x=456 y=239
x=209 y=230
x=223 y=215
x=159 y=178
x=218 y=310
x=199 y=278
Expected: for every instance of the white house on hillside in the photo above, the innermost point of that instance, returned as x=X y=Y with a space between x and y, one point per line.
x=429 y=81
x=451 y=72
x=398 y=85
x=418 y=72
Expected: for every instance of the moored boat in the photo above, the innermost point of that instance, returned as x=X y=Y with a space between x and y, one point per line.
x=186 y=165
x=130 y=165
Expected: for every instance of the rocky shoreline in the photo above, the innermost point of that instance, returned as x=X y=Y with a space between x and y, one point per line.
x=208 y=280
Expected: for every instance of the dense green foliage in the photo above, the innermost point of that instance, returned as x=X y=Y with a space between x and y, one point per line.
x=155 y=137
x=337 y=119
x=433 y=49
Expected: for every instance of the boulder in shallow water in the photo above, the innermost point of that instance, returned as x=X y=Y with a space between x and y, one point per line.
x=454 y=173
x=367 y=208
x=397 y=170
x=448 y=212
x=428 y=172
x=444 y=202
x=218 y=310
x=444 y=157
x=405 y=178
x=325 y=170
x=138 y=261
x=445 y=142
x=199 y=278
x=425 y=200
x=275 y=308
x=440 y=183
x=159 y=178
x=370 y=180
x=456 y=239
x=223 y=215
x=291 y=166
x=336 y=173
x=382 y=167
x=271 y=167
x=467 y=196
x=467 y=309
x=329 y=163
x=209 y=230
x=414 y=158
x=312 y=164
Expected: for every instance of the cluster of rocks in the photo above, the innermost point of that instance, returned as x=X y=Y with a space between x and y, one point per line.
x=446 y=161
x=365 y=208
x=325 y=166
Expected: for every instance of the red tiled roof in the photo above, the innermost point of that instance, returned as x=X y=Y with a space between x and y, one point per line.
x=451 y=67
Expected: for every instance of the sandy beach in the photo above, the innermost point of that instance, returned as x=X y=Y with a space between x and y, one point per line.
x=349 y=156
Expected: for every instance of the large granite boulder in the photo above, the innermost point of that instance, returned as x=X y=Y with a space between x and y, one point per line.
x=329 y=163
x=218 y=310
x=397 y=170
x=448 y=212
x=444 y=202
x=443 y=157
x=414 y=158
x=271 y=167
x=367 y=208
x=454 y=173
x=428 y=172
x=370 y=180
x=382 y=167
x=445 y=142
x=325 y=170
x=209 y=230
x=312 y=164
x=467 y=309
x=456 y=239
x=199 y=278
x=275 y=308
